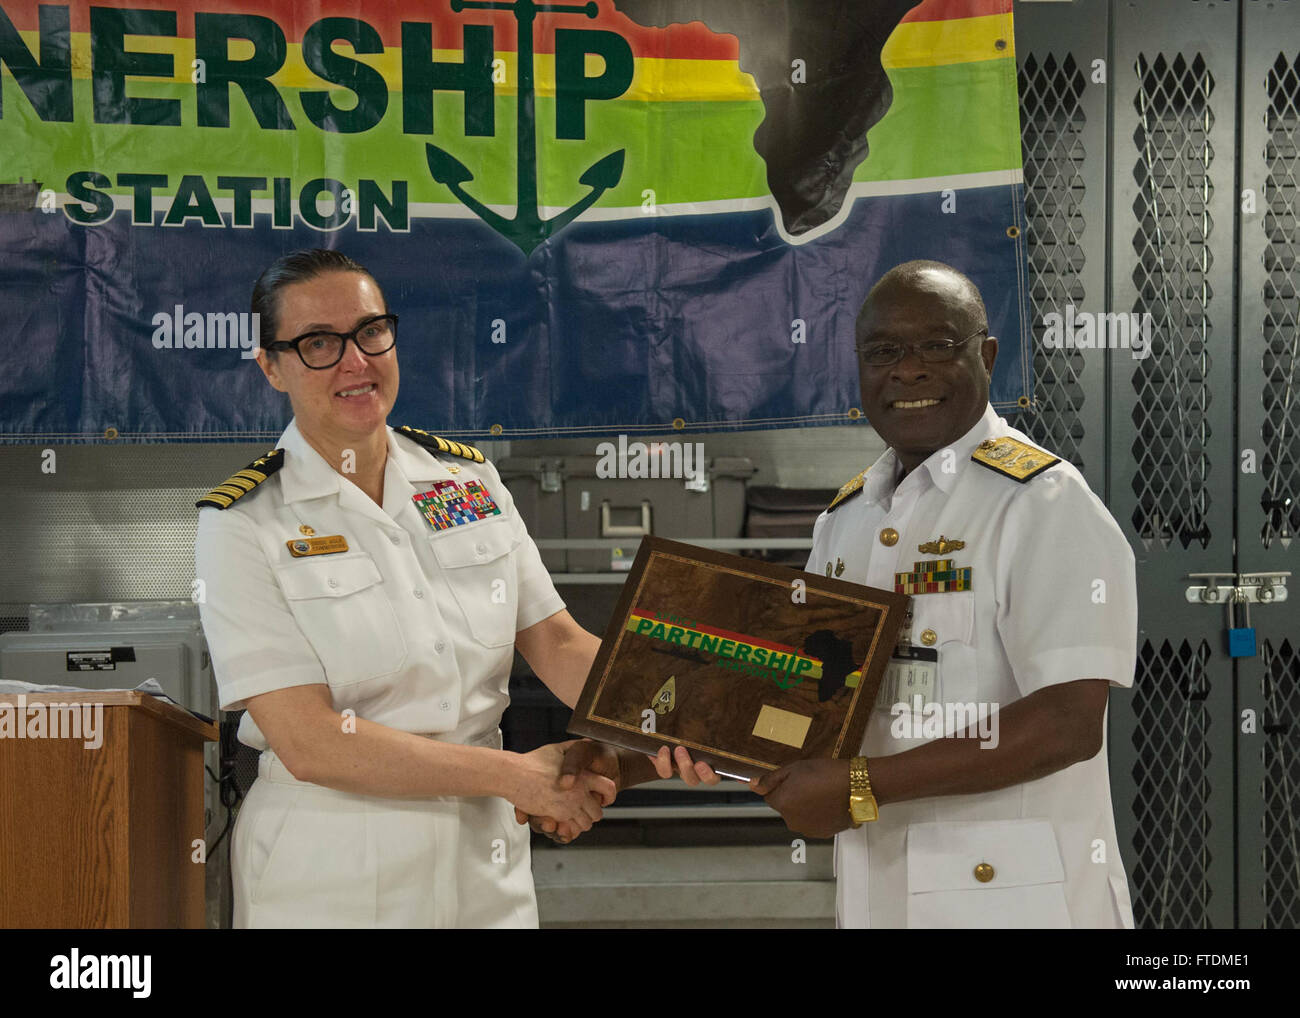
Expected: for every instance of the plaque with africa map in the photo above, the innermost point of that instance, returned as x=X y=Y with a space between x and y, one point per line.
x=750 y=666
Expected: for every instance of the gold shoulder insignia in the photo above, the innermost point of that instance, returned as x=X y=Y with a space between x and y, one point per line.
x=443 y=445
x=847 y=491
x=241 y=482
x=1013 y=458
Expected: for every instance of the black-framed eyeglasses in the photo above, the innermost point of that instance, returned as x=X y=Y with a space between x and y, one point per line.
x=932 y=351
x=320 y=350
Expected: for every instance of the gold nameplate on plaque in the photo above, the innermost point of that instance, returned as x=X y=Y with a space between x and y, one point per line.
x=303 y=547
x=782 y=726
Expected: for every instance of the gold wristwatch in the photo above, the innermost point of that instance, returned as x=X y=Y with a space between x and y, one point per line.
x=862 y=804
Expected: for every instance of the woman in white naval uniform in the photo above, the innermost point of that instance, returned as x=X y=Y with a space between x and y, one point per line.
x=369 y=632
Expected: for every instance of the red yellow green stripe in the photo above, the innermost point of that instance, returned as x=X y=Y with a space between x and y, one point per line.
x=945 y=10
x=734 y=646
x=686 y=123
x=931 y=43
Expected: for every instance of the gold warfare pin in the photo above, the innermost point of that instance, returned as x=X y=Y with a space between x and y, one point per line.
x=941 y=546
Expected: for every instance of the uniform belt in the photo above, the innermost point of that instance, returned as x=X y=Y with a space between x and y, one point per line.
x=270 y=766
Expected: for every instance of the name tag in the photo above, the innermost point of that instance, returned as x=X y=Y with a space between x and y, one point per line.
x=304 y=546
x=912 y=671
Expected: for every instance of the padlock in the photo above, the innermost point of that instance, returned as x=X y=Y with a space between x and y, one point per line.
x=1241 y=639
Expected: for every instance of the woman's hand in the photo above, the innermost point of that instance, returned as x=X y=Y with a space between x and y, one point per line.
x=623 y=769
x=582 y=755
x=574 y=802
x=693 y=772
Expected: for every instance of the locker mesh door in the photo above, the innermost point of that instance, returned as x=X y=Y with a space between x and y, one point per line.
x=1268 y=514
x=1062 y=117
x=1173 y=455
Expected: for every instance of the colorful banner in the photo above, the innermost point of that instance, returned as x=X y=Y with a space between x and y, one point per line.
x=622 y=216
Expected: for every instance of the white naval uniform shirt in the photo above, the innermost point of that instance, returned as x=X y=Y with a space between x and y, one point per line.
x=410 y=627
x=1053 y=599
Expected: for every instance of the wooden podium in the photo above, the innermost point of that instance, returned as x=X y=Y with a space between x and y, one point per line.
x=101 y=837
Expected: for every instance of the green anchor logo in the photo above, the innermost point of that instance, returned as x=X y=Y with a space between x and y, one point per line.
x=528 y=229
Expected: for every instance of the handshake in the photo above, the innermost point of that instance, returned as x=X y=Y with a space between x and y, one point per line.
x=566 y=786
x=571 y=782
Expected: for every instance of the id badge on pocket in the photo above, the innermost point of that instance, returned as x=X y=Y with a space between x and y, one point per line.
x=911 y=672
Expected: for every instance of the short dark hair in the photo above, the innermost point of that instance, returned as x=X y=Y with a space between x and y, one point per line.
x=909 y=272
x=298 y=267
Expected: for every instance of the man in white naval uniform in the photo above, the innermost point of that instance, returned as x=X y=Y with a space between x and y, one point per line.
x=989 y=769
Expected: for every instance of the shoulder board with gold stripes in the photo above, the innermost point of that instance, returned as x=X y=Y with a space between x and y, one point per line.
x=847 y=491
x=443 y=445
x=241 y=482
x=1013 y=458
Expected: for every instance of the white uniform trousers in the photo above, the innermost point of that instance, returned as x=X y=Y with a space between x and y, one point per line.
x=308 y=856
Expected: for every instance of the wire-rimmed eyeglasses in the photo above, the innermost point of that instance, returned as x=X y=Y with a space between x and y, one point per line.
x=886 y=353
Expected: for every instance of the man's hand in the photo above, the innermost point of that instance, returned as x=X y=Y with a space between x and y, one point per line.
x=812 y=796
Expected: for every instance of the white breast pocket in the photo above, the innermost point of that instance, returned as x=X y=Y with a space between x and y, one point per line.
x=479 y=567
x=946 y=622
x=1004 y=874
x=342 y=609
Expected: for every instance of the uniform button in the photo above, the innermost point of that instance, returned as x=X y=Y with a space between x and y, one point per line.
x=439 y=646
x=928 y=637
x=445 y=705
x=889 y=537
x=481 y=548
x=983 y=873
x=395 y=538
x=418 y=592
x=333 y=582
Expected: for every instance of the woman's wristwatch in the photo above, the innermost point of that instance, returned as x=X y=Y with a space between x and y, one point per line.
x=862 y=804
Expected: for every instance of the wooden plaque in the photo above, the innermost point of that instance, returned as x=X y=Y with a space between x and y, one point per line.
x=750 y=666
